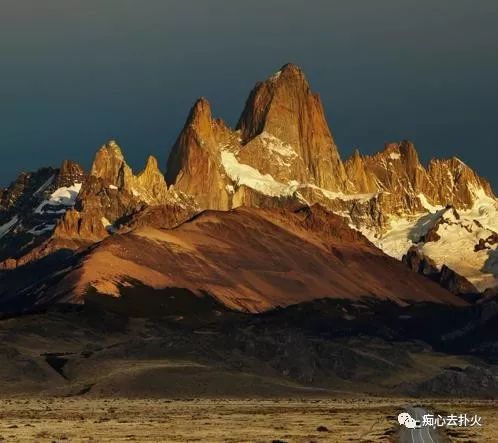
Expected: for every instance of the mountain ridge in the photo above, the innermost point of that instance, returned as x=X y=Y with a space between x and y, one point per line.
x=281 y=155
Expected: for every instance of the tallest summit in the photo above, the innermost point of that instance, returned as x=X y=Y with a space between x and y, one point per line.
x=285 y=107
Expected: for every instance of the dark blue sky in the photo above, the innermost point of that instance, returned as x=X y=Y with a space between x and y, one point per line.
x=75 y=73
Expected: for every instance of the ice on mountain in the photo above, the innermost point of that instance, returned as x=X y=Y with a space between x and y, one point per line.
x=459 y=236
x=108 y=225
x=276 y=75
x=425 y=203
x=64 y=196
x=243 y=174
x=277 y=146
x=6 y=228
x=41 y=229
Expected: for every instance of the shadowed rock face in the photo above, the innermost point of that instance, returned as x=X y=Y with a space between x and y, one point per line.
x=17 y=196
x=445 y=276
x=31 y=207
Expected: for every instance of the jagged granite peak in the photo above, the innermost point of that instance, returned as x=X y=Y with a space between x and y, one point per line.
x=194 y=165
x=256 y=115
x=21 y=190
x=284 y=108
x=112 y=194
x=151 y=183
x=282 y=143
x=361 y=179
x=455 y=183
x=63 y=209
x=446 y=277
x=109 y=165
x=69 y=174
x=397 y=170
x=201 y=117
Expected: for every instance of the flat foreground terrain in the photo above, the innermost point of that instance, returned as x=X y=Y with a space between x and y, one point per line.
x=105 y=420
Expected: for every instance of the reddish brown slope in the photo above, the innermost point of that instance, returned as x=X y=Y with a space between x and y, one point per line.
x=254 y=260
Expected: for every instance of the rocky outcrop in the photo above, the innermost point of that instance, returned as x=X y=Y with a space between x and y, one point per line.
x=31 y=207
x=86 y=225
x=69 y=174
x=397 y=170
x=112 y=193
x=470 y=382
x=456 y=283
x=283 y=118
x=281 y=141
x=363 y=180
x=446 y=277
x=454 y=183
x=18 y=197
x=421 y=264
x=282 y=149
x=194 y=165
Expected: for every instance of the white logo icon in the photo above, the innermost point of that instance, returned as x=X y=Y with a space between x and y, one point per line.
x=406 y=419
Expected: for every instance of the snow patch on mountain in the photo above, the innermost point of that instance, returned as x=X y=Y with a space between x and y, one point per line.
x=456 y=249
x=459 y=232
x=484 y=210
x=5 y=228
x=402 y=233
x=64 y=196
x=276 y=76
x=425 y=203
x=277 y=146
x=41 y=229
x=109 y=227
x=242 y=174
x=341 y=196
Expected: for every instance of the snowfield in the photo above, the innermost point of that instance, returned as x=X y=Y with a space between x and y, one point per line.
x=65 y=196
x=242 y=174
x=40 y=230
x=458 y=239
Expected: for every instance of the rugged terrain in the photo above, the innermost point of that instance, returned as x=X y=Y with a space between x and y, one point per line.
x=247 y=259
x=281 y=154
x=259 y=264
x=159 y=344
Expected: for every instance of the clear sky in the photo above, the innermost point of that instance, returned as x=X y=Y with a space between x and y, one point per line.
x=75 y=73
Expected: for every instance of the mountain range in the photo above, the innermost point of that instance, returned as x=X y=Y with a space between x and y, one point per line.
x=260 y=216
x=258 y=262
